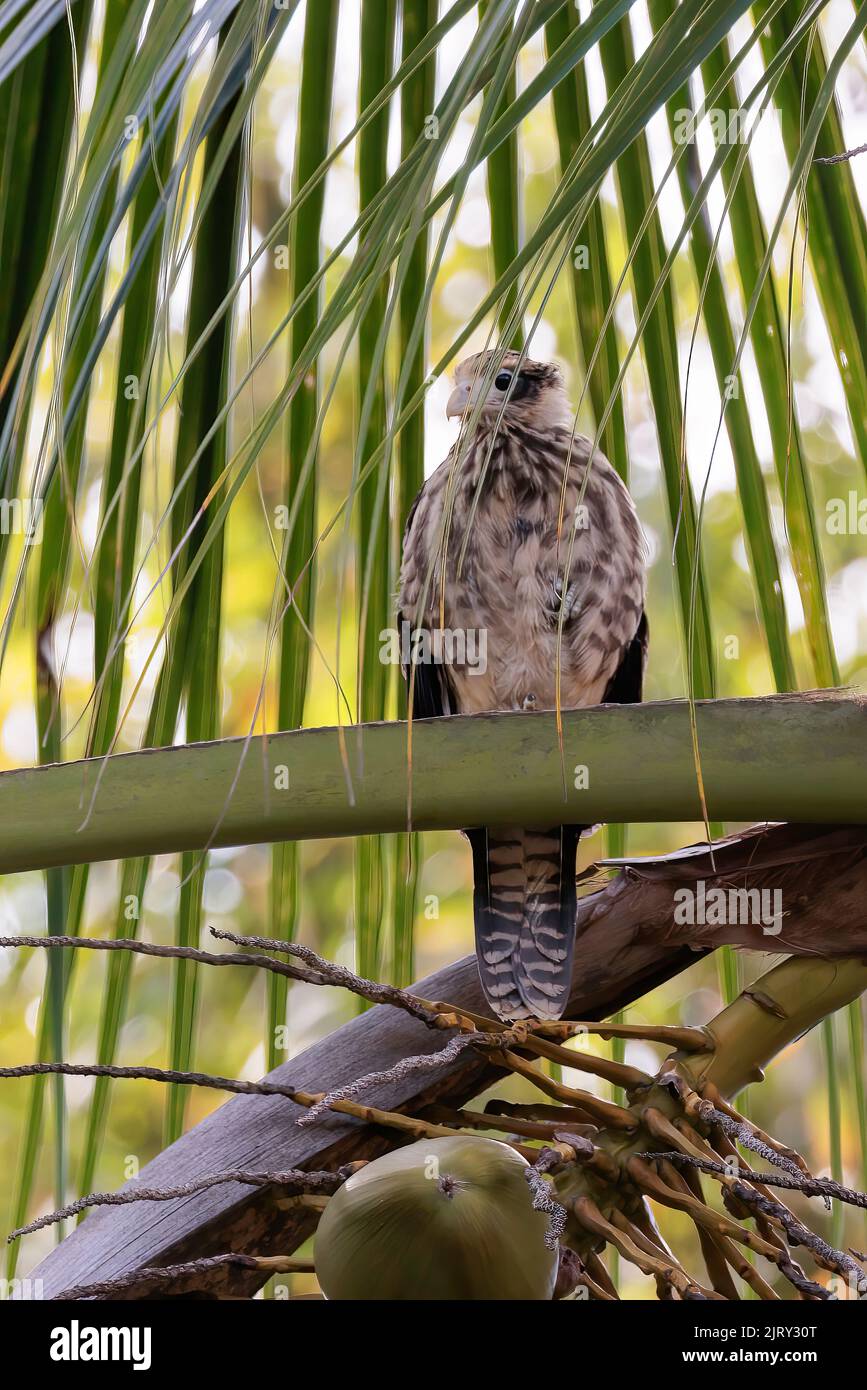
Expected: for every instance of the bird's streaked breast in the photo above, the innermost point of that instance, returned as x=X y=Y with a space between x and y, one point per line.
x=523 y=540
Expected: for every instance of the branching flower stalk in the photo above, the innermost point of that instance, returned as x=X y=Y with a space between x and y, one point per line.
x=684 y=1111
x=594 y=1166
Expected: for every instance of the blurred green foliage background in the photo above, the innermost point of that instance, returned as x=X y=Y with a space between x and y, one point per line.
x=229 y=1035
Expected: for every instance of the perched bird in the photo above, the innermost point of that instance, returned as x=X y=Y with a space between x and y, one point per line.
x=498 y=496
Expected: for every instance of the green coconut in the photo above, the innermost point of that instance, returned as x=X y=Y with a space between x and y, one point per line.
x=443 y=1218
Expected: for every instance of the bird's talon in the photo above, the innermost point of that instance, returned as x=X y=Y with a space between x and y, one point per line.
x=568 y=605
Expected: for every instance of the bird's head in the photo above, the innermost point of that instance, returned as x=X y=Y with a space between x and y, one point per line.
x=532 y=391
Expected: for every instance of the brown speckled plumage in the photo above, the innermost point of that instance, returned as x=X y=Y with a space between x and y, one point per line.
x=516 y=566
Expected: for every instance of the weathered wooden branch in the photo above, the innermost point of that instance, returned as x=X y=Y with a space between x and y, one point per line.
x=628 y=941
x=757 y=764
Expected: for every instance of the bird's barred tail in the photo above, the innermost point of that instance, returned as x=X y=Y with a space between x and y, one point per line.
x=524 y=907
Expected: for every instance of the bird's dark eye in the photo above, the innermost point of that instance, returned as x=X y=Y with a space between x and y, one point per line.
x=502 y=379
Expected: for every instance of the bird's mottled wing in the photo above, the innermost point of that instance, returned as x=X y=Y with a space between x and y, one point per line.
x=625 y=686
x=427 y=684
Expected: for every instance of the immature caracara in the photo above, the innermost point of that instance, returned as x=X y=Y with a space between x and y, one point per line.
x=511 y=588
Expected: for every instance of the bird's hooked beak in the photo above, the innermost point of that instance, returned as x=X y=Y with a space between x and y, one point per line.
x=462 y=397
